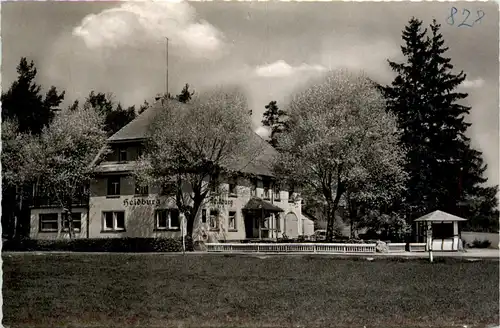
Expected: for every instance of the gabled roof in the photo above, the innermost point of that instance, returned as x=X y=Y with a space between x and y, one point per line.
x=137 y=130
x=439 y=216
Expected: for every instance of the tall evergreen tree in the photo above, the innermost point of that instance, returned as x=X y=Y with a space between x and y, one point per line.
x=275 y=120
x=115 y=118
x=24 y=103
x=445 y=172
x=143 y=107
x=118 y=118
x=185 y=94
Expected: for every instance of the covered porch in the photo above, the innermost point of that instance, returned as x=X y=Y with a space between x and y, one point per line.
x=262 y=220
x=440 y=231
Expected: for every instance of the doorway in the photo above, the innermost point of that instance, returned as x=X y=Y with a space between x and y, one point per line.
x=249 y=223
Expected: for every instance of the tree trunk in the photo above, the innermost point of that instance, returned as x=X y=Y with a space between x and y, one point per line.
x=330 y=220
x=190 y=224
x=332 y=206
x=18 y=218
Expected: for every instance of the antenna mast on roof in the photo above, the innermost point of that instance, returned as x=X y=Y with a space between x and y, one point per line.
x=166 y=67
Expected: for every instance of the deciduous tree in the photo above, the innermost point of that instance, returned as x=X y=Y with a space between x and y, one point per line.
x=191 y=145
x=24 y=104
x=339 y=135
x=63 y=157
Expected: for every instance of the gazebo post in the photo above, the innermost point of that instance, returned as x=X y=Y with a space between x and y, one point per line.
x=429 y=240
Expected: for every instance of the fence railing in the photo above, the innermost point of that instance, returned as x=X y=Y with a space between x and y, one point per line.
x=417 y=247
x=310 y=248
x=396 y=247
x=291 y=248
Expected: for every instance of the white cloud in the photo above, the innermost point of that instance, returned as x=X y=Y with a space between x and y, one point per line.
x=473 y=84
x=281 y=68
x=139 y=23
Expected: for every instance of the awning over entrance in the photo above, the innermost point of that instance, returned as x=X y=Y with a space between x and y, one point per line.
x=439 y=216
x=258 y=204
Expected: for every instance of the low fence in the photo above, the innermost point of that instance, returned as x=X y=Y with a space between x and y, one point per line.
x=396 y=247
x=417 y=247
x=292 y=248
x=301 y=248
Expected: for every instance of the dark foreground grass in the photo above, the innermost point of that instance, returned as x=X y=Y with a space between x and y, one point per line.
x=104 y=290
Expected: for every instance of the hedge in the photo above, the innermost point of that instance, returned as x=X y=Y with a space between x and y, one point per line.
x=99 y=245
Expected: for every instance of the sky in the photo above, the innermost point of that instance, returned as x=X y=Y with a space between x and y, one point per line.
x=270 y=49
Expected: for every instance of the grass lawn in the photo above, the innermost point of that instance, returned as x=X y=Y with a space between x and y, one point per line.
x=244 y=291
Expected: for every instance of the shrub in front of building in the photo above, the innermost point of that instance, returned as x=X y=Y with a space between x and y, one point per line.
x=127 y=245
x=481 y=243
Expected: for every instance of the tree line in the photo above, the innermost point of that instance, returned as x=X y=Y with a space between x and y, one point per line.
x=46 y=149
x=384 y=154
x=440 y=171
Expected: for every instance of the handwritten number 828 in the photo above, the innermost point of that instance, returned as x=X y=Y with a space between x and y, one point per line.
x=465 y=14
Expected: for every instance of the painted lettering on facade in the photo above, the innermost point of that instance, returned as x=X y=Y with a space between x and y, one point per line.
x=227 y=202
x=141 y=202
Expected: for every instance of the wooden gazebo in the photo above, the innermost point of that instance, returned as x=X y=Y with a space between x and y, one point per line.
x=440 y=231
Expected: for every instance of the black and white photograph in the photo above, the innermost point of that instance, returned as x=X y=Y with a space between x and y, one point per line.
x=245 y=164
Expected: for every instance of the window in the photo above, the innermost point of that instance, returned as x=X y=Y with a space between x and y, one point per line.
x=77 y=222
x=141 y=190
x=114 y=186
x=442 y=230
x=203 y=216
x=233 y=183
x=277 y=192
x=122 y=155
x=174 y=219
x=266 y=190
x=113 y=221
x=231 y=220
x=253 y=188
x=49 y=222
x=169 y=189
x=256 y=222
x=167 y=219
x=278 y=221
x=214 y=220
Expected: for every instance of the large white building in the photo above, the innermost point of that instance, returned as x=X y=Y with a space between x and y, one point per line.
x=249 y=206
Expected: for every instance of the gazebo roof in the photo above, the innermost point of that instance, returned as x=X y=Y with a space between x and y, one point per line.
x=255 y=204
x=439 y=216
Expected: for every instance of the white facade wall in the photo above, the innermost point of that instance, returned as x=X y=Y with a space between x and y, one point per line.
x=36 y=232
x=140 y=219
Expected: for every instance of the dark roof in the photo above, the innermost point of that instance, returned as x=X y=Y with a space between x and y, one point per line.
x=137 y=130
x=439 y=216
x=260 y=204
